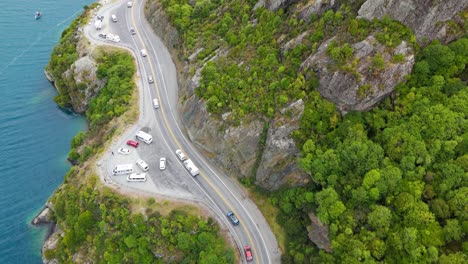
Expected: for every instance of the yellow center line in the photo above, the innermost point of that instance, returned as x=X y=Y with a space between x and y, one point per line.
x=252 y=245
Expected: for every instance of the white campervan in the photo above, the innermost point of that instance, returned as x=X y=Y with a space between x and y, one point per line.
x=136 y=177
x=143 y=165
x=114 y=18
x=145 y=137
x=122 y=169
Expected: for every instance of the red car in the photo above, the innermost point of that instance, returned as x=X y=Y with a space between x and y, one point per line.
x=248 y=253
x=132 y=143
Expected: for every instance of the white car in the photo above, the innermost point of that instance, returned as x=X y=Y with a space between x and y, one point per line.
x=155 y=103
x=150 y=79
x=129 y=4
x=124 y=151
x=180 y=154
x=143 y=165
x=162 y=163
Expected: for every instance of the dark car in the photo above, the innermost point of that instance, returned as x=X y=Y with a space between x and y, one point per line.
x=100 y=17
x=102 y=35
x=132 y=31
x=132 y=143
x=233 y=218
x=248 y=253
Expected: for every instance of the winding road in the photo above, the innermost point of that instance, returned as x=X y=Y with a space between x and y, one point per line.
x=211 y=187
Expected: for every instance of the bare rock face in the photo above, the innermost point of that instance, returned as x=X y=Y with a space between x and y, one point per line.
x=362 y=89
x=274 y=5
x=278 y=165
x=318 y=233
x=317 y=7
x=233 y=148
x=161 y=24
x=425 y=17
x=51 y=244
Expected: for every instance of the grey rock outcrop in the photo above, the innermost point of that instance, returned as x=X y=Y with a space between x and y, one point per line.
x=425 y=17
x=318 y=233
x=278 y=165
x=362 y=89
x=87 y=85
x=317 y=7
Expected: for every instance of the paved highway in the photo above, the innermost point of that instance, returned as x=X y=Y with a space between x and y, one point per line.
x=212 y=188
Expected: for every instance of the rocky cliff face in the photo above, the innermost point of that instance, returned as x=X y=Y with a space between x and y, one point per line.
x=234 y=148
x=360 y=89
x=429 y=19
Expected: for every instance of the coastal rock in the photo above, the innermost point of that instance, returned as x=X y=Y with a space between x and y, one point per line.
x=428 y=19
x=365 y=85
x=278 y=164
x=51 y=244
x=43 y=217
x=86 y=84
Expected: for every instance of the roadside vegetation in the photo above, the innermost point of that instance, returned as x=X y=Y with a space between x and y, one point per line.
x=390 y=185
x=99 y=225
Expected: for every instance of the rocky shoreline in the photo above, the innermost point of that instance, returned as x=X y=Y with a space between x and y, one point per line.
x=44 y=220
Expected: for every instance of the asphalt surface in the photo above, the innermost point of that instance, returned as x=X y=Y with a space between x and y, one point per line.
x=211 y=187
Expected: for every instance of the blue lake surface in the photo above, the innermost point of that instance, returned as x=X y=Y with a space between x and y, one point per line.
x=34 y=133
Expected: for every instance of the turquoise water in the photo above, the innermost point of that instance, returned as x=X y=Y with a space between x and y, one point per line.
x=34 y=133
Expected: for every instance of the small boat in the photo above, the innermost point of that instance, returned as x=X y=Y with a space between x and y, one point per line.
x=37 y=15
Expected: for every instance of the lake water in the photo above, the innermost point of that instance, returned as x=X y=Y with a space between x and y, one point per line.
x=34 y=133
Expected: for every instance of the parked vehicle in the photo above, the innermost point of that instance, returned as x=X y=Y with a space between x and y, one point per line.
x=98 y=24
x=136 y=177
x=162 y=163
x=145 y=137
x=191 y=168
x=132 y=143
x=233 y=218
x=122 y=169
x=180 y=154
x=142 y=164
x=102 y=35
x=112 y=37
x=248 y=253
x=124 y=151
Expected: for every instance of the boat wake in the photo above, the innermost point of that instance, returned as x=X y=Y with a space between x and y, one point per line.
x=38 y=39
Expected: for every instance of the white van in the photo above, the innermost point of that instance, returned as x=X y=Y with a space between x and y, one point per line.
x=143 y=165
x=136 y=177
x=144 y=53
x=122 y=169
x=145 y=137
x=114 y=18
x=155 y=103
